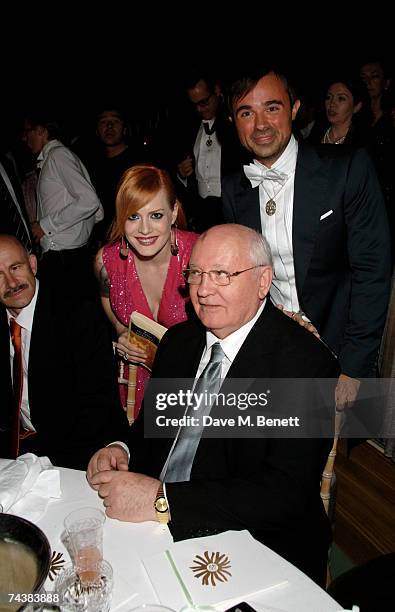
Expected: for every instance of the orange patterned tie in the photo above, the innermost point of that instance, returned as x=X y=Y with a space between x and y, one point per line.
x=17 y=384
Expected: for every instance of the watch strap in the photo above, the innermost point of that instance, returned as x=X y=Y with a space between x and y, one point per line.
x=161 y=506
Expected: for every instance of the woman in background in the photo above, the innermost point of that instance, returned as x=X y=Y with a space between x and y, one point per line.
x=346 y=105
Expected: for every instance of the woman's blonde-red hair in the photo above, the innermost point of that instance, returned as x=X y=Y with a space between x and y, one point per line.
x=137 y=187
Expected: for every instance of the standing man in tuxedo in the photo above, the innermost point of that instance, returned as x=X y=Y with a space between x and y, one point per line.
x=269 y=486
x=61 y=400
x=322 y=211
x=209 y=150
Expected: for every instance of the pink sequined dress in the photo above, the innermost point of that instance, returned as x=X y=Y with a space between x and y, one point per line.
x=127 y=295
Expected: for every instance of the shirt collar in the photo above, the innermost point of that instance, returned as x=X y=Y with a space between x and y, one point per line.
x=287 y=161
x=25 y=317
x=47 y=148
x=209 y=121
x=232 y=343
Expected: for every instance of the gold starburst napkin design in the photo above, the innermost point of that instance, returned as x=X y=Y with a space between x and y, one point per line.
x=215 y=570
x=211 y=568
x=57 y=563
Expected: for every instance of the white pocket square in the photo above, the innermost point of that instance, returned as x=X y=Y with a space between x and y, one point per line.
x=326 y=214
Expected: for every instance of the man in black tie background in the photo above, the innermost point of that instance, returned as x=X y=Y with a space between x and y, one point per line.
x=269 y=486
x=207 y=150
x=322 y=211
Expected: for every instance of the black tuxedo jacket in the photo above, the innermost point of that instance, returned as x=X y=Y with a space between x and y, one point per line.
x=269 y=486
x=342 y=261
x=72 y=382
x=204 y=213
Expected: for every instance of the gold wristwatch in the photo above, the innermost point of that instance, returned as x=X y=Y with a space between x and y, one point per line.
x=161 y=506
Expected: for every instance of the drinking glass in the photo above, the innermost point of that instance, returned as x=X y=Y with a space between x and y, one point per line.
x=85 y=530
x=77 y=596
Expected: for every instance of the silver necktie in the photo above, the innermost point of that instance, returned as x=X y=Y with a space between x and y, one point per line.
x=181 y=459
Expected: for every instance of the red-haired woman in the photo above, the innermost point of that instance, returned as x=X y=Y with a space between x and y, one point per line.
x=141 y=266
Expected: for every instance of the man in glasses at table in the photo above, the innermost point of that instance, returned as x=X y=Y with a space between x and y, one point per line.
x=207 y=149
x=270 y=486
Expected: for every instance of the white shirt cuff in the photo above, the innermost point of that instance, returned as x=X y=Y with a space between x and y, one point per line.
x=122 y=445
x=183 y=180
x=47 y=226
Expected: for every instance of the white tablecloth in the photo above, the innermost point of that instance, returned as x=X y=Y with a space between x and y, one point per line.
x=124 y=543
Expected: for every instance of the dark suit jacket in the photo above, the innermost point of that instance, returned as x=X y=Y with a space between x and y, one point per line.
x=342 y=262
x=269 y=486
x=73 y=392
x=9 y=222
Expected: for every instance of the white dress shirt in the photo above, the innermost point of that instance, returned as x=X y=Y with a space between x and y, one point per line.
x=25 y=320
x=277 y=228
x=207 y=162
x=68 y=206
x=230 y=345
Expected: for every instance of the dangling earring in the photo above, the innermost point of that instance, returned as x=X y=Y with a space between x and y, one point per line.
x=124 y=250
x=173 y=241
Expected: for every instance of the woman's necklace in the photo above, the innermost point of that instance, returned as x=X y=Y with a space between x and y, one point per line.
x=328 y=140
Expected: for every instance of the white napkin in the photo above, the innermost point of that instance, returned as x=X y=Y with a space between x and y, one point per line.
x=244 y=565
x=27 y=484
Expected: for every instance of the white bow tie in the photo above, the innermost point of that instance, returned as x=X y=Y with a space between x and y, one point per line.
x=257 y=175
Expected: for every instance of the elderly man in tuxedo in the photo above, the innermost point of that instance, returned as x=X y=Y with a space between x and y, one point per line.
x=57 y=371
x=269 y=486
x=322 y=211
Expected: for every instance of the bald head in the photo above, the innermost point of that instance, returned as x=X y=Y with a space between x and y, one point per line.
x=230 y=248
x=17 y=274
x=249 y=240
x=7 y=241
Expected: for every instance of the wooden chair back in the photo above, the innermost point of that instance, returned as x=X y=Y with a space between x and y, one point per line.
x=328 y=481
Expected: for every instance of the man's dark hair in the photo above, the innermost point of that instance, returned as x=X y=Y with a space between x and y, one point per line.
x=193 y=79
x=244 y=84
x=47 y=121
x=111 y=107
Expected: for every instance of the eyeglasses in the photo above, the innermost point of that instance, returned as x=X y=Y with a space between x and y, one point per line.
x=218 y=277
x=203 y=102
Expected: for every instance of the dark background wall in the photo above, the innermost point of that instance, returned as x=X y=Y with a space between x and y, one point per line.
x=60 y=57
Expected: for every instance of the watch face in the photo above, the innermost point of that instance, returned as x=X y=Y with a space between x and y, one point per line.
x=161 y=504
